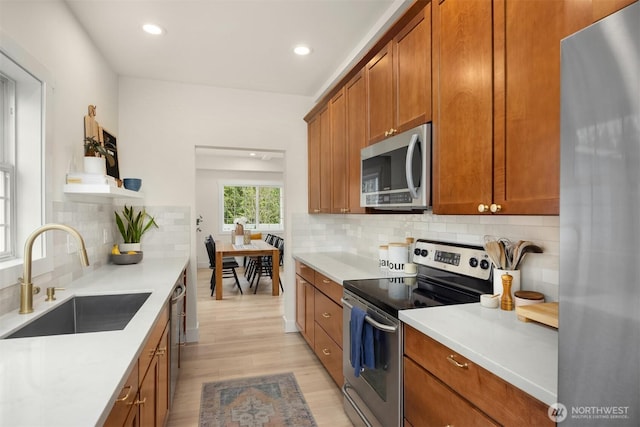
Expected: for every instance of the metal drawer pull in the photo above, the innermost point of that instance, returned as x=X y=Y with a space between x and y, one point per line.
x=326 y=315
x=326 y=352
x=126 y=396
x=326 y=281
x=451 y=359
x=139 y=402
x=369 y=320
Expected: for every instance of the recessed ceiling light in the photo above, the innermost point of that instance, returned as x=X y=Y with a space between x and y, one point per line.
x=152 y=29
x=302 y=50
x=252 y=154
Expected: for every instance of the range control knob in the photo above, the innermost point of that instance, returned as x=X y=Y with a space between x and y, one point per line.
x=424 y=252
x=416 y=251
x=473 y=262
x=484 y=264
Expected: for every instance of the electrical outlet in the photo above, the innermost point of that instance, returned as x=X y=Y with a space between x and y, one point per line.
x=105 y=235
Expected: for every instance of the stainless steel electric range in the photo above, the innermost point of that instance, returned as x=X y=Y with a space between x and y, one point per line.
x=447 y=273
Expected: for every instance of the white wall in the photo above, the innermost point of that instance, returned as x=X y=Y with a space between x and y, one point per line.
x=162 y=122
x=48 y=32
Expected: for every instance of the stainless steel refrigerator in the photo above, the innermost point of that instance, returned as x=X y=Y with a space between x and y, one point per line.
x=599 y=290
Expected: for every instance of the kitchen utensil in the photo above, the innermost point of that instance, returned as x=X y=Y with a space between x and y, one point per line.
x=503 y=255
x=493 y=250
x=525 y=248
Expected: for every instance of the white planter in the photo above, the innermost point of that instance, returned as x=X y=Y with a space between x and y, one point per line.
x=95 y=165
x=126 y=247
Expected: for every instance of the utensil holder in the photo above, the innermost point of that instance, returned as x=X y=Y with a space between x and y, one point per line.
x=497 y=280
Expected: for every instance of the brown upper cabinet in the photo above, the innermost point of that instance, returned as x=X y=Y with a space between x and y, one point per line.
x=319 y=153
x=497 y=103
x=399 y=80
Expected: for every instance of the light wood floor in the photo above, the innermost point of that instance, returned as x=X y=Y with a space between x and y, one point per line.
x=242 y=336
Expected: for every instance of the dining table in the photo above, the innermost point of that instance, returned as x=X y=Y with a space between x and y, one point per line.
x=255 y=248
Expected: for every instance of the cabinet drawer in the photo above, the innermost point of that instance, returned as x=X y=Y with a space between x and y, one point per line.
x=482 y=388
x=329 y=354
x=330 y=288
x=304 y=271
x=328 y=315
x=428 y=402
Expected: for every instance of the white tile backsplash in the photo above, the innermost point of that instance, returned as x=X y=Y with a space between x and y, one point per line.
x=172 y=238
x=362 y=234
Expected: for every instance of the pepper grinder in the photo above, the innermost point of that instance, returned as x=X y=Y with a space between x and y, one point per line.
x=506 y=301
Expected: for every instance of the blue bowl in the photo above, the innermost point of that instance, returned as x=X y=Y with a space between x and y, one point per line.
x=132 y=184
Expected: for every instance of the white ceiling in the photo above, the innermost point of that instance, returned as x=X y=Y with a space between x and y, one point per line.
x=240 y=44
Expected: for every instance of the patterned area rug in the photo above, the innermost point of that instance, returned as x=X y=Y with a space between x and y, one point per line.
x=268 y=401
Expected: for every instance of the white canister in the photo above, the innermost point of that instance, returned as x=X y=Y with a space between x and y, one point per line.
x=398 y=256
x=383 y=257
x=497 y=280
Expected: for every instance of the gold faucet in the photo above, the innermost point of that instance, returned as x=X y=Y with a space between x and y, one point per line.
x=27 y=290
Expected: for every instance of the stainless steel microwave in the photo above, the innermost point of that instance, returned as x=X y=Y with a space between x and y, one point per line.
x=396 y=172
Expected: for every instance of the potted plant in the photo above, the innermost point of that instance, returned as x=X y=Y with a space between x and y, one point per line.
x=95 y=154
x=132 y=225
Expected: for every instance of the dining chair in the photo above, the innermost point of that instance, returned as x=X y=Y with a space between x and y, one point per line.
x=229 y=265
x=266 y=263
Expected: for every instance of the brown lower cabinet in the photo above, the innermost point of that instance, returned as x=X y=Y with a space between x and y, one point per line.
x=144 y=399
x=319 y=317
x=443 y=388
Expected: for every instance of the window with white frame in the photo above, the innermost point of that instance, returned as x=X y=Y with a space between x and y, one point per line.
x=7 y=170
x=261 y=205
x=23 y=98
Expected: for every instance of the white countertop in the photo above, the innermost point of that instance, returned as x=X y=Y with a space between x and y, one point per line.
x=523 y=354
x=340 y=266
x=72 y=380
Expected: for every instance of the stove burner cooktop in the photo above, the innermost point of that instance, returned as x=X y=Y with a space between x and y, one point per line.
x=447 y=274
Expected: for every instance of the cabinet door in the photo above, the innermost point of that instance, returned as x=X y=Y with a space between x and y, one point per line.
x=301 y=306
x=356 y=97
x=527 y=100
x=427 y=401
x=412 y=64
x=162 y=395
x=124 y=403
x=148 y=397
x=309 y=310
x=339 y=172
x=313 y=161
x=604 y=8
x=463 y=105
x=380 y=94
x=325 y=161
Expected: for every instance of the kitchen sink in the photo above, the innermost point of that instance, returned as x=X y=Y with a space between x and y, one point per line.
x=94 y=313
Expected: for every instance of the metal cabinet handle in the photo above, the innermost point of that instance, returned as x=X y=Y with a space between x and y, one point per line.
x=483 y=208
x=326 y=352
x=139 y=402
x=495 y=208
x=126 y=396
x=326 y=281
x=326 y=315
x=452 y=359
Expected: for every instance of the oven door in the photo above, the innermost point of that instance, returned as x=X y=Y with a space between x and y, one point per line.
x=374 y=398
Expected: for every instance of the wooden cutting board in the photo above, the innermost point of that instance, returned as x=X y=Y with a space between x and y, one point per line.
x=546 y=313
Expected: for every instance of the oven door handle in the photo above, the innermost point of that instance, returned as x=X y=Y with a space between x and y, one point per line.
x=371 y=321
